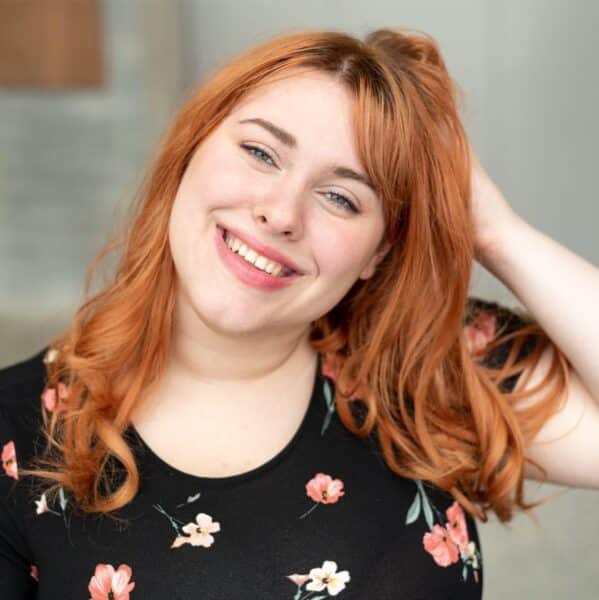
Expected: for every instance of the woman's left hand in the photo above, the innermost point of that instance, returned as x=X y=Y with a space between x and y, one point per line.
x=492 y=214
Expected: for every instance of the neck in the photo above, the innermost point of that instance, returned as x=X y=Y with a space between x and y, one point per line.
x=204 y=355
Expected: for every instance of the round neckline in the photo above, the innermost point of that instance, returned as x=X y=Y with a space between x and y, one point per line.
x=309 y=414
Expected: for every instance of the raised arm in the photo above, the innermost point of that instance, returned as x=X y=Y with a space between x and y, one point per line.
x=560 y=290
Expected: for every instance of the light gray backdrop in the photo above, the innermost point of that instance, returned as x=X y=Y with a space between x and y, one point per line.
x=69 y=163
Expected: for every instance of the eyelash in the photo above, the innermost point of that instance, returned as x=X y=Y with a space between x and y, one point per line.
x=346 y=204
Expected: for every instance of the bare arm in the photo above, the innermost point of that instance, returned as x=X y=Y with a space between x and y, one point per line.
x=561 y=291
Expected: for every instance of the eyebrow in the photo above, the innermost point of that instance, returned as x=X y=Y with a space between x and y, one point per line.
x=290 y=141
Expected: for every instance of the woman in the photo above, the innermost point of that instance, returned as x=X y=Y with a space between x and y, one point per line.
x=285 y=391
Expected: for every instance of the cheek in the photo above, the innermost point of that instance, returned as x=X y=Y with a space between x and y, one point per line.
x=342 y=254
x=213 y=180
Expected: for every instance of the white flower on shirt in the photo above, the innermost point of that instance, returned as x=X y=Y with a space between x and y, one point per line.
x=328 y=577
x=50 y=355
x=469 y=553
x=41 y=505
x=198 y=533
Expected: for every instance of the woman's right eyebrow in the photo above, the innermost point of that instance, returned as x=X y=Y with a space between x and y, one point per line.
x=283 y=136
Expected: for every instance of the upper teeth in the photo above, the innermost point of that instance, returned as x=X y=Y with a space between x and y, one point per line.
x=251 y=256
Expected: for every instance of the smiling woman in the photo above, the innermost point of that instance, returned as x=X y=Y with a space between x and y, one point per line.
x=285 y=363
x=285 y=209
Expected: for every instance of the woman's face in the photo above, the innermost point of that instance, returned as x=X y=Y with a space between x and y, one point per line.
x=282 y=192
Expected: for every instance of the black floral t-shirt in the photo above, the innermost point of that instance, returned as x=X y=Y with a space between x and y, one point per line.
x=325 y=517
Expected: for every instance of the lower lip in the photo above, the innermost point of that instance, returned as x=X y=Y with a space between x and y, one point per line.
x=245 y=272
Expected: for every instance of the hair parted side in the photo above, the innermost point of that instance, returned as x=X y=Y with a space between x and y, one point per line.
x=395 y=341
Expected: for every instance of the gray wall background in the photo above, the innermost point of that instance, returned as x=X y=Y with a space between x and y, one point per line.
x=70 y=162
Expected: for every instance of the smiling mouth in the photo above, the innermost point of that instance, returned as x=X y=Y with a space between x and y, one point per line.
x=261 y=263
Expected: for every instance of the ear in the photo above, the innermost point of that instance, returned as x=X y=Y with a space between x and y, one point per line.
x=370 y=268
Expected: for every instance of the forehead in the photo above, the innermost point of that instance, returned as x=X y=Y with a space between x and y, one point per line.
x=307 y=83
x=309 y=97
x=303 y=103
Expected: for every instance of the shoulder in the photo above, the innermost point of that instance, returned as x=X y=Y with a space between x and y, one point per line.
x=25 y=370
x=20 y=381
x=21 y=386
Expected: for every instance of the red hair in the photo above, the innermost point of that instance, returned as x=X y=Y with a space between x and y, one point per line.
x=395 y=341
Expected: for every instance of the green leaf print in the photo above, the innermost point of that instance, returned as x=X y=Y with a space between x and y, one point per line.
x=414 y=510
x=330 y=401
x=428 y=512
x=426 y=505
x=62 y=499
x=189 y=500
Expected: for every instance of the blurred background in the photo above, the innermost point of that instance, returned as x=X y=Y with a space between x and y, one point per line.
x=87 y=87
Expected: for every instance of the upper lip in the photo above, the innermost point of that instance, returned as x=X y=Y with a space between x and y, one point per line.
x=263 y=249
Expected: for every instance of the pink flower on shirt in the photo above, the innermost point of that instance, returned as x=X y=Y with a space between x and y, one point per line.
x=324 y=489
x=50 y=401
x=480 y=331
x=108 y=584
x=298 y=578
x=456 y=526
x=439 y=545
x=327 y=370
x=446 y=544
x=9 y=460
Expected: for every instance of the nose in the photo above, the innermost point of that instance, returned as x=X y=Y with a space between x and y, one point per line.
x=281 y=212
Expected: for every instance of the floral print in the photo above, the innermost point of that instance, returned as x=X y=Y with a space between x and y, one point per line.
x=440 y=547
x=327 y=370
x=9 y=460
x=198 y=533
x=329 y=396
x=34 y=572
x=108 y=584
x=329 y=378
x=480 y=331
x=50 y=356
x=456 y=525
x=446 y=544
x=55 y=399
x=325 y=578
x=323 y=489
x=42 y=507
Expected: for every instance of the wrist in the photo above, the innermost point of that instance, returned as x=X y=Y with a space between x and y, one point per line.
x=494 y=249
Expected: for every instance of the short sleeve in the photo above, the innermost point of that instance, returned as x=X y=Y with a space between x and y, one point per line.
x=17 y=572
x=485 y=321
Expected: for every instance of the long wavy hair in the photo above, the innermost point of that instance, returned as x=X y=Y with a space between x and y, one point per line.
x=395 y=341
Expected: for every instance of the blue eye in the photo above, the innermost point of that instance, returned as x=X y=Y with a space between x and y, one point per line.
x=250 y=150
x=343 y=201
